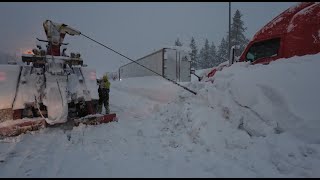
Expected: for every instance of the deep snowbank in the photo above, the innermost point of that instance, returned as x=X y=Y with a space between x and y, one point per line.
x=283 y=94
x=253 y=121
x=261 y=120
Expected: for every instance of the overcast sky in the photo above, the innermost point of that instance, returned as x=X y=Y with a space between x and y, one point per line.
x=135 y=29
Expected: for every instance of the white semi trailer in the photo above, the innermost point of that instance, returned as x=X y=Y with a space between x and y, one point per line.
x=170 y=62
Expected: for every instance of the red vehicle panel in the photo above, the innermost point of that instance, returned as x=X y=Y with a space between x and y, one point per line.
x=295 y=32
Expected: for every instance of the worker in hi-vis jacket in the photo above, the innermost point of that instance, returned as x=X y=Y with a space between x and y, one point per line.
x=103 y=90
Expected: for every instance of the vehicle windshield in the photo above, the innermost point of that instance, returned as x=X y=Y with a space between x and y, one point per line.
x=263 y=49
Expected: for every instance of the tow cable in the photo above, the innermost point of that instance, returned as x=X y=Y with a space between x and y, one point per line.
x=191 y=91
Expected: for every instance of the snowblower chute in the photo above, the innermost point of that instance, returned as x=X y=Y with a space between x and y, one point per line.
x=50 y=88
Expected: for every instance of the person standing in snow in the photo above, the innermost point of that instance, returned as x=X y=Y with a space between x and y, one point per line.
x=103 y=90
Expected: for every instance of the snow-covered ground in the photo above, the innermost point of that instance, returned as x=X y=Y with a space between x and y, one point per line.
x=253 y=121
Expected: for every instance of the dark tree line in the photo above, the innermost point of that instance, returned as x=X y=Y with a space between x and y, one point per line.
x=209 y=55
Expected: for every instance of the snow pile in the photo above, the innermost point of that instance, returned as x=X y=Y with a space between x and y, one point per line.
x=283 y=94
x=253 y=121
x=257 y=121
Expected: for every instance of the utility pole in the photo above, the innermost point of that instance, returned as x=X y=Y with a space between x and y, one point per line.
x=229 y=47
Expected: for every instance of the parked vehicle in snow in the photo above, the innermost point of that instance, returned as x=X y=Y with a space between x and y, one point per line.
x=295 y=32
x=170 y=62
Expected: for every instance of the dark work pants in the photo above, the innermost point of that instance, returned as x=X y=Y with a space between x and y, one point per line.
x=104 y=100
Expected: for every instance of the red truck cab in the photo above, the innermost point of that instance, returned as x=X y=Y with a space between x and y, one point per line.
x=295 y=32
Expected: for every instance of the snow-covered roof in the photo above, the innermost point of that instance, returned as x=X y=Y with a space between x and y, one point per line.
x=282 y=23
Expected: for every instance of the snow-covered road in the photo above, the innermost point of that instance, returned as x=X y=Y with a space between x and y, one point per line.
x=253 y=121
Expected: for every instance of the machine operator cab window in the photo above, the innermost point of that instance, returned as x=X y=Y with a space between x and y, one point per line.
x=263 y=49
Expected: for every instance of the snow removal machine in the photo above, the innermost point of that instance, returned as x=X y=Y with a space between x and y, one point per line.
x=49 y=88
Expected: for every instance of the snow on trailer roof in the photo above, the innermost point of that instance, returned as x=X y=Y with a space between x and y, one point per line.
x=179 y=48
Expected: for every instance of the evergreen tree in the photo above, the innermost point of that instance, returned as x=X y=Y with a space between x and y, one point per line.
x=213 y=55
x=205 y=56
x=237 y=37
x=207 y=60
x=237 y=33
x=222 y=51
x=201 y=59
x=194 y=54
x=177 y=43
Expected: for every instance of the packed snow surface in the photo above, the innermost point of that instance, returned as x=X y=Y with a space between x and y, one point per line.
x=252 y=121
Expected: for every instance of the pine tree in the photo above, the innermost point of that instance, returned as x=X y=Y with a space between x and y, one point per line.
x=205 y=56
x=237 y=33
x=237 y=37
x=177 y=42
x=194 y=54
x=222 y=51
x=213 y=55
x=201 y=59
x=207 y=60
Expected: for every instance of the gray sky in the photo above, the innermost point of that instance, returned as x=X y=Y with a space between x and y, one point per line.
x=135 y=29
